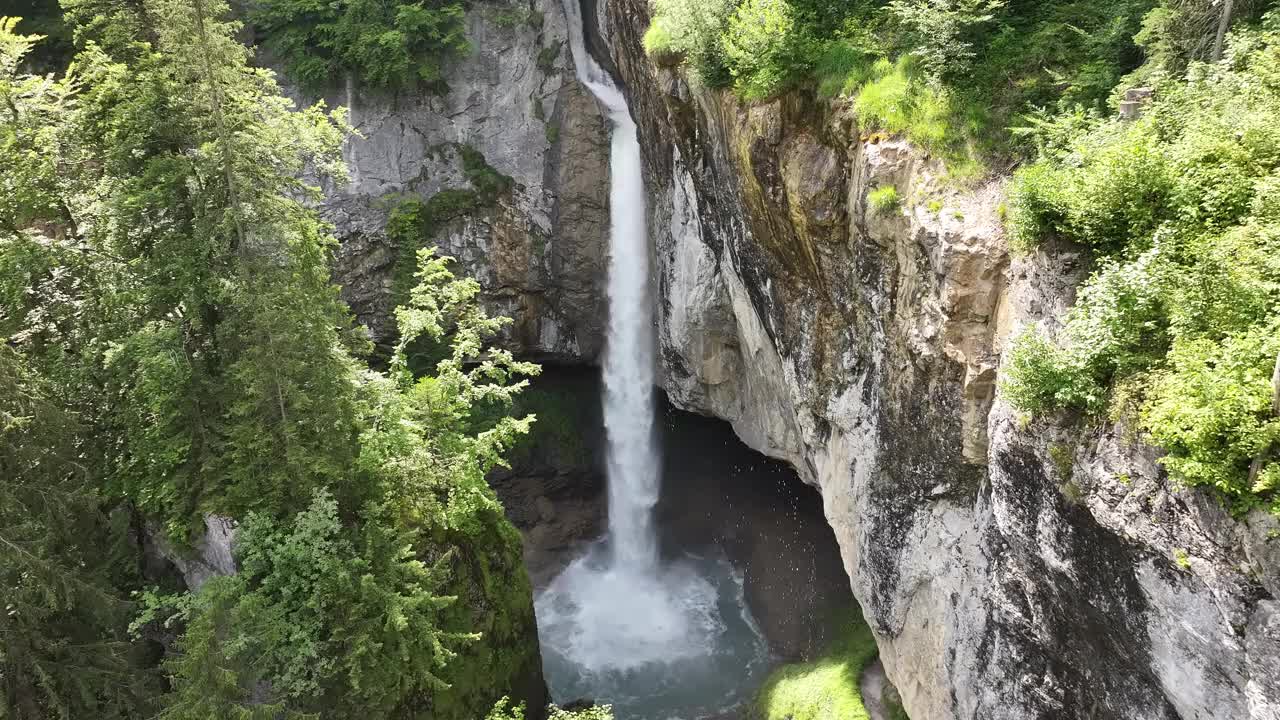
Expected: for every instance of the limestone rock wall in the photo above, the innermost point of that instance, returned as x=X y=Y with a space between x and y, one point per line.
x=1010 y=569
x=539 y=249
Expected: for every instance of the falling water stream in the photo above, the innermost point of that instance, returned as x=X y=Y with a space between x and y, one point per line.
x=656 y=638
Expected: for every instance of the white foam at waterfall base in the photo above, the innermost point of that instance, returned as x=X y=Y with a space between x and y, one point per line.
x=676 y=644
x=606 y=618
x=616 y=625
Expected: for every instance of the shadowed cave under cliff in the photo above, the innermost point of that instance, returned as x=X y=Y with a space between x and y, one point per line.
x=719 y=498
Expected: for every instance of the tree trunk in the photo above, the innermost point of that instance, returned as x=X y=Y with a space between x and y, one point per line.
x=1223 y=23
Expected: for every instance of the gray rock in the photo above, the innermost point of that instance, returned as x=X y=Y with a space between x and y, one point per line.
x=209 y=557
x=539 y=250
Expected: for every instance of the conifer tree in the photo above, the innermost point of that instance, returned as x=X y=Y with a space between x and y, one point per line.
x=170 y=288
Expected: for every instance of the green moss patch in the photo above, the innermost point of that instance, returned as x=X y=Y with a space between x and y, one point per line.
x=413 y=221
x=826 y=688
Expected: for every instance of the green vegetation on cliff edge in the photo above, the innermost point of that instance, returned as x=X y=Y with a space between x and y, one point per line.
x=383 y=43
x=1177 y=329
x=952 y=76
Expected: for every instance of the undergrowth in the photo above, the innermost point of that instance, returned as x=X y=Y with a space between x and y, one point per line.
x=386 y=43
x=950 y=75
x=1177 y=330
x=884 y=199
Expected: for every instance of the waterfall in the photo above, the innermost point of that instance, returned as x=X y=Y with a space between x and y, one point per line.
x=616 y=619
x=628 y=362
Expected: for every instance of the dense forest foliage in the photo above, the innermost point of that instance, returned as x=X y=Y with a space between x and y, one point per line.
x=1177 y=332
x=173 y=347
x=953 y=76
x=396 y=44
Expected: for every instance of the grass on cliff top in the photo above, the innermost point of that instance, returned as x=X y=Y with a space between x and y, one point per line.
x=826 y=688
x=895 y=98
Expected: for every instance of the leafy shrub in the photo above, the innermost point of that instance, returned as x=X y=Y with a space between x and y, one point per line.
x=1182 y=318
x=689 y=31
x=1041 y=377
x=1052 y=134
x=895 y=98
x=1212 y=410
x=940 y=27
x=981 y=62
x=1116 y=186
x=763 y=48
x=1118 y=327
x=503 y=711
x=595 y=712
x=842 y=68
x=387 y=44
x=334 y=622
x=1175 y=33
x=43 y=18
x=659 y=43
x=884 y=199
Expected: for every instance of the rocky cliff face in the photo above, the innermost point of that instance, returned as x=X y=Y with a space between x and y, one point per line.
x=1010 y=569
x=538 y=245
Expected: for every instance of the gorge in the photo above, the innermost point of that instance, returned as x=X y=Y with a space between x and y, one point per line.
x=862 y=348
x=704 y=359
x=618 y=622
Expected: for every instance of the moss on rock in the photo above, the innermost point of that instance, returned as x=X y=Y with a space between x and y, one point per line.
x=495 y=599
x=826 y=688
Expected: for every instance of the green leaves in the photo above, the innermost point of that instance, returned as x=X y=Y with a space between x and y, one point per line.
x=1212 y=410
x=1182 y=317
x=322 y=617
x=940 y=28
x=387 y=44
x=63 y=651
x=344 y=612
x=760 y=45
x=171 y=338
x=689 y=31
x=1041 y=377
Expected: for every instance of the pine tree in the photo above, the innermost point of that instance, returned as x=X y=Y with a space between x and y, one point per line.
x=63 y=649
x=170 y=288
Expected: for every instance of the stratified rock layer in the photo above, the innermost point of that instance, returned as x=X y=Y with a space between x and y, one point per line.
x=1010 y=569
